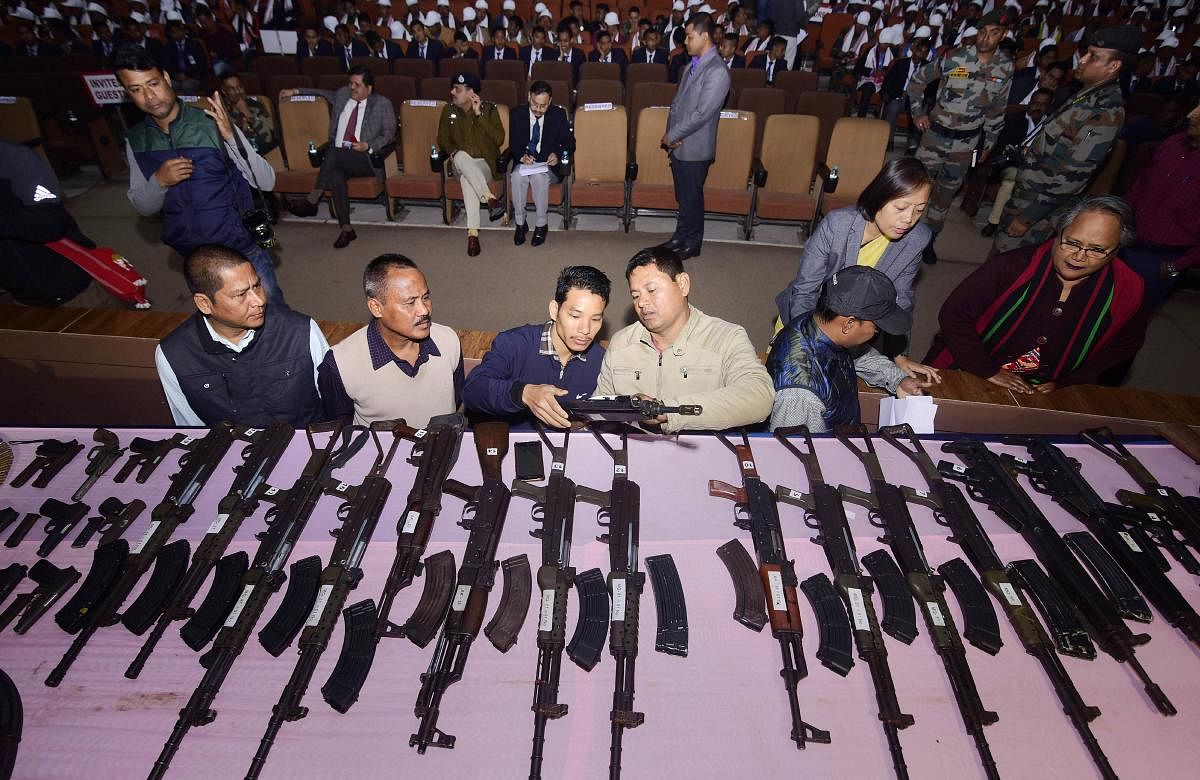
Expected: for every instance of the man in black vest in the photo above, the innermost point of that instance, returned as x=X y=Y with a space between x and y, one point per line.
x=227 y=362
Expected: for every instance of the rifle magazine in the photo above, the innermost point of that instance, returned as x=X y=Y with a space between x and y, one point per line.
x=422 y=626
x=1129 y=603
x=749 y=605
x=204 y=624
x=587 y=642
x=980 y=626
x=671 y=635
x=349 y=675
x=1060 y=616
x=52 y=583
x=305 y=576
x=505 y=625
x=170 y=563
x=836 y=648
x=107 y=563
x=899 y=611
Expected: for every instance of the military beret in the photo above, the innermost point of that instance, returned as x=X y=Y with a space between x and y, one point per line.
x=1124 y=38
x=993 y=17
x=467 y=80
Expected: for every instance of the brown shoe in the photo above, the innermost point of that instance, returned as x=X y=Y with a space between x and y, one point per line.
x=495 y=209
x=473 y=248
x=344 y=238
x=301 y=207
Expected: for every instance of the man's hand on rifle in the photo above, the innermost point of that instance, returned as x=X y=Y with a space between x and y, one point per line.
x=660 y=420
x=541 y=400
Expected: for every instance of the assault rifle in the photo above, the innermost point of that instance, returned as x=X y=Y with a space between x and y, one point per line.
x=619 y=514
x=195 y=467
x=288 y=517
x=622 y=408
x=1051 y=472
x=259 y=459
x=951 y=509
x=888 y=510
x=359 y=514
x=755 y=511
x=554 y=510
x=434 y=454
x=823 y=511
x=483 y=516
x=988 y=480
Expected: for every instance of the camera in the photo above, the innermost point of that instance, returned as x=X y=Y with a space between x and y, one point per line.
x=1008 y=157
x=258 y=222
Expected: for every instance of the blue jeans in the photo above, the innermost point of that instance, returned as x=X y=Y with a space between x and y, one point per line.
x=264 y=266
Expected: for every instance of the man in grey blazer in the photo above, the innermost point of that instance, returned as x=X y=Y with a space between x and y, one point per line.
x=691 y=137
x=362 y=129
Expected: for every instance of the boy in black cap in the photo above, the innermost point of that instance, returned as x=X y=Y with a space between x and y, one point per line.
x=469 y=135
x=816 y=358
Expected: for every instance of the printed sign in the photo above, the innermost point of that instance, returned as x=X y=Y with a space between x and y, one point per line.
x=104 y=89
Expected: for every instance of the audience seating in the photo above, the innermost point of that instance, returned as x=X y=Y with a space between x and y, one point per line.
x=377 y=66
x=599 y=183
x=833 y=27
x=451 y=187
x=434 y=89
x=645 y=95
x=507 y=70
x=600 y=70
x=303 y=119
x=640 y=72
x=560 y=95
x=762 y=102
x=500 y=92
x=449 y=68
x=418 y=69
x=552 y=70
x=19 y=124
x=332 y=82
x=275 y=84
x=783 y=185
x=275 y=65
x=727 y=188
x=858 y=147
x=829 y=107
x=251 y=83
x=744 y=78
x=315 y=67
x=417 y=182
x=599 y=91
x=653 y=189
x=794 y=83
x=1105 y=180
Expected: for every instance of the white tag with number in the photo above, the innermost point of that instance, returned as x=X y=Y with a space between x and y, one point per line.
x=935 y=613
x=493 y=451
x=186 y=440
x=747 y=464
x=960 y=469
x=419 y=434
x=239 y=606
x=850 y=514
x=318 y=609
x=150 y=529
x=858 y=609
x=1163 y=492
x=1129 y=541
x=557 y=466
x=620 y=470
x=778 y=600
x=271 y=491
x=1154 y=517
x=921 y=493
x=218 y=524
x=617 y=614
x=410 y=522
x=251 y=431
x=460 y=598
x=341 y=487
x=546 y=618
x=1010 y=593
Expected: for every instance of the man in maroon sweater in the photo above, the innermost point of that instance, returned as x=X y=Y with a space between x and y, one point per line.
x=1052 y=315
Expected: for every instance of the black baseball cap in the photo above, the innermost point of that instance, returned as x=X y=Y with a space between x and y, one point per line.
x=863 y=292
x=467 y=80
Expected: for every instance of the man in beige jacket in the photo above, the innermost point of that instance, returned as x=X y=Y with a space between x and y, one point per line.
x=680 y=355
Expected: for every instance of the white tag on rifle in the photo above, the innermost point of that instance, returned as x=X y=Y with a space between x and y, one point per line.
x=410 y=522
x=150 y=529
x=1010 y=593
x=778 y=601
x=318 y=609
x=218 y=524
x=935 y=613
x=460 y=598
x=858 y=610
x=419 y=434
x=1163 y=492
x=796 y=494
x=1129 y=541
x=186 y=440
x=747 y=465
x=341 y=487
x=557 y=466
x=239 y=606
x=921 y=493
x=1154 y=517
x=493 y=451
x=546 y=617
x=617 y=614
x=620 y=469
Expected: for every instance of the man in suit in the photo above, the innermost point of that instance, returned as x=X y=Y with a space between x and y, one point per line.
x=568 y=52
x=538 y=133
x=462 y=47
x=386 y=50
x=278 y=14
x=537 y=50
x=311 y=44
x=606 y=52
x=498 y=50
x=651 y=49
x=894 y=91
x=691 y=136
x=103 y=47
x=729 y=55
x=774 y=62
x=423 y=47
x=221 y=43
x=361 y=132
x=1026 y=80
x=347 y=47
x=184 y=58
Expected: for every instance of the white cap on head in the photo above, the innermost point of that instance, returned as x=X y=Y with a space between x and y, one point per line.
x=935 y=20
x=877 y=5
x=707 y=9
x=24 y=13
x=541 y=8
x=694 y=3
x=468 y=14
x=1170 y=42
x=330 y=22
x=889 y=37
x=1013 y=4
x=432 y=18
x=385 y=3
x=612 y=18
x=1181 y=13
x=862 y=18
x=911 y=8
x=509 y=5
x=73 y=4
x=924 y=31
x=96 y=8
x=1046 y=42
x=1041 y=4
x=1141 y=9
x=51 y=13
x=968 y=33
x=397 y=29
x=481 y=5
x=677 y=5
x=443 y=3
x=174 y=16
x=139 y=17
x=410 y=3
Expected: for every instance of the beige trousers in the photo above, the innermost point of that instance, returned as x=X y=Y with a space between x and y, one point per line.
x=473 y=176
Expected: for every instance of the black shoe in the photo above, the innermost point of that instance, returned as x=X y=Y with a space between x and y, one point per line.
x=519 y=236
x=929 y=257
x=301 y=207
x=344 y=238
x=688 y=251
x=988 y=230
x=539 y=235
x=673 y=244
x=495 y=209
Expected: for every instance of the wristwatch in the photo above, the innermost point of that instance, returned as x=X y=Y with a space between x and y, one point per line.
x=1170 y=268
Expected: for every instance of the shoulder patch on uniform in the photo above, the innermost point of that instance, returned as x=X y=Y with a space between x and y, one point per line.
x=41 y=193
x=958 y=73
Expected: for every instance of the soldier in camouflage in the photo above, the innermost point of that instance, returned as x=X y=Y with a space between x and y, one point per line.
x=1072 y=142
x=966 y=117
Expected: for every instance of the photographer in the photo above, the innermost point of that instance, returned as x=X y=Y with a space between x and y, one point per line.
x=196 y=168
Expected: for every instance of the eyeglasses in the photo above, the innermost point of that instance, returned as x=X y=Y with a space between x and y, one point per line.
x=1090 y=252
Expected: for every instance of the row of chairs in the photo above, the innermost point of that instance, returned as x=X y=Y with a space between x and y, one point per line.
x=784 y=184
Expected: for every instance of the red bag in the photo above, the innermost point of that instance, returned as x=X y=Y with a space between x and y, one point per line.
x=111 y=270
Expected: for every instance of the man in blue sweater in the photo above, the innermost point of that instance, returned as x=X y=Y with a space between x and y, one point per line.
x=529 y=367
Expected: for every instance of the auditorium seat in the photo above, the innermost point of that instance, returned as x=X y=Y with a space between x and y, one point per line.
x=833 y=27
x=251 y=83
x=727 y=188
x=507 y=70
x=639 y=72
x=332 y=82
x=762 y=102
x=829 y=107
x=378 y=66
x=787 y=162
x=315 y=67
x=599 y=91
x=449 y=68
x=600 y=70
x=794 y=83
x=417 y=182
x=552 y=70
x=19 y=124
x=743 y=78
x=397 y=89
x=303 y=120
x=1105 y=181
x=434 y=89
x=275 y=65
x=653 y=191
x=274 y=84
x=417 y=68
x=560 y=95
x=647 y=94
x=500 y=91
x=858 y=147
x=599 y=184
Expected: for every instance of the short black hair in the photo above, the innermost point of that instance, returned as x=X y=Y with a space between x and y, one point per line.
x=460 y=36
x=537 y=28
x=203 y=267
x=701 y=23
x=368 y=76
x=823 y=312
x=376 y=274
x=666 y=260
x=133 y=57
x=1043 y=91
x=341 y=28
x=777 y=40
x=499 y=29
x=173 y=25
x=602 y=35
x=583 y=277
x=372 y=38
x=540 y=87
x=898 y=178
x=633 y=8
x=203 y=10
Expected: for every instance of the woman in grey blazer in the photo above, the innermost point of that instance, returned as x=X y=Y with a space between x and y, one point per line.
x=887 y=217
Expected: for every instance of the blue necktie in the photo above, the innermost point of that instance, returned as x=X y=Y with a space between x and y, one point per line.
x=535 y=137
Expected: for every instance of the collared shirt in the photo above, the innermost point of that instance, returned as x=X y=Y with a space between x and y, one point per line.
x=182 y=411
x=344 y=119
x=696 y=59
x=547 y=349
x=533 y=122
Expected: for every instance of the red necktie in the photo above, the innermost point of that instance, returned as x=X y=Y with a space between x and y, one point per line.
x=351 y=124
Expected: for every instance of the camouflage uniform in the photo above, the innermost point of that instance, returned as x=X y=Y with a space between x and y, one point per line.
x=1061 y=160
x=256 y=125
x=971 y=98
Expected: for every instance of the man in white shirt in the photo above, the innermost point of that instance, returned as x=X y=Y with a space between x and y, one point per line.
x=543 y=132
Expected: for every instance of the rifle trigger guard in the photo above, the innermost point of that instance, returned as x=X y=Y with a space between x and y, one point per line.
x=940 y=519
x=811 y=521
x=875 y=519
